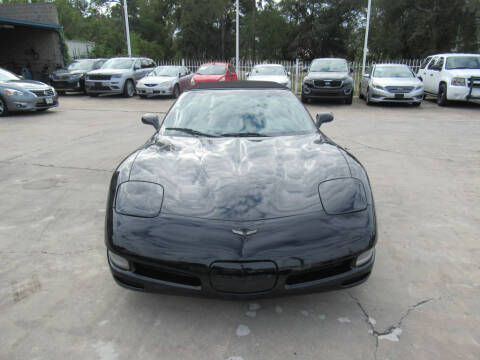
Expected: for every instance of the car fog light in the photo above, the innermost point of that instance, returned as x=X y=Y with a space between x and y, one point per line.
x=118 y=261
x=364 y=257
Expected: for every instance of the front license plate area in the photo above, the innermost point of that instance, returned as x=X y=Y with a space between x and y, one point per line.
x=399 y=96
x=49 y=100
x=243 y=277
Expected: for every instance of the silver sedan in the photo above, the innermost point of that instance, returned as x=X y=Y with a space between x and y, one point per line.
x=17 y=94
x=391 y=83
x=165 y=80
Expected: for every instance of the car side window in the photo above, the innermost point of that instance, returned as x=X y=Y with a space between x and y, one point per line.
x=150 y=63
x=431 y=66
x=425 y=62
x=183 y=71
x=231 y=69
x=439 y=64
x=137 y=65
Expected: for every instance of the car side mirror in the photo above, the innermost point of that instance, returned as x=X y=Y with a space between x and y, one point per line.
x=351 y=70
x=305 y=70
x=151 y=119
x=323 y=118
x=289 y=73
x=136 y=67
x=247 y=74
x=366 y=76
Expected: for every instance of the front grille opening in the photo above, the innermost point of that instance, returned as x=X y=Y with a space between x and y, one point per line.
x=320 y=272
x=129 y=283
x=356 y=280
x=165 y=275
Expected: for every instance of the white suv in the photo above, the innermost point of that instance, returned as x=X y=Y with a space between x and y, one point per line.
x=451 y=77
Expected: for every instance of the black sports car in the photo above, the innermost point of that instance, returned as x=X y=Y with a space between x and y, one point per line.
x=238 y=193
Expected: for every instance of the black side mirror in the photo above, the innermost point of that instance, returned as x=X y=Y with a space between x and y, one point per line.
x=323 y=118
x=351 y=70
x=305 y=70
x=151 y=119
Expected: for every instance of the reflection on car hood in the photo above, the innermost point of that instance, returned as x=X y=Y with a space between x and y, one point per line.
x=62 y=72
x=108 y=71
x=465 y=73
x=25 y=85
x=157 y=79
x=327 y=75
x=397 y=81
x=239 y=179
x=281 y=79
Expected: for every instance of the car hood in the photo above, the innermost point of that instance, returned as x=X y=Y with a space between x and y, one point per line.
x=465 y=73
x=397 y=81
x=239 y=179
x=108 y=71
x=157 y=79
x=199 y=77
x=281 y=79
x=25 y=85
x=327 y=75
x=63 y=72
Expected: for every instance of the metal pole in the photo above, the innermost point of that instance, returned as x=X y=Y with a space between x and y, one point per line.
x=127 y=30
x=237 y=47
x=365 y=47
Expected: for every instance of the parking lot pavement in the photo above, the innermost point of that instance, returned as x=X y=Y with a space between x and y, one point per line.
x=58 y=300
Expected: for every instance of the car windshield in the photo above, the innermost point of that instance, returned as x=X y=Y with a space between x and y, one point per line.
x=165 y=71
x=268 y=70
x=81 y=65
x=7 y=75
x=393 y=72
x=238 y=113
x=212 y=70
x=118 y=64
x=329 y=65
x=462 y=62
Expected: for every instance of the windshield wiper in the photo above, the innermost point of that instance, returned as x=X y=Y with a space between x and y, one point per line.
x=244 y=134
x=190 y=131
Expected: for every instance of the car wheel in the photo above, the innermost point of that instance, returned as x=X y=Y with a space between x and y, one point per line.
x=349 y=100
x=442 y=95
x=3 y=108
x=176 y=91
x=368 y=99
x=129 y=89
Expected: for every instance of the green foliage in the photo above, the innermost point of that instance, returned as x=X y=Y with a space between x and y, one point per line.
x=271 y=29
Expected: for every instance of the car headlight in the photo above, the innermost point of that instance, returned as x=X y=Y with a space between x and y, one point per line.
x=76 y=76
x=419 y=87
x=459 y=81
x=222 y=78
x=378 y=87
x=139 y=198
x=364 y=257
x=13 y=92
x=116 y=76
x=342 y=196
x=307 y=80
x=118 y=261
x=347 y=81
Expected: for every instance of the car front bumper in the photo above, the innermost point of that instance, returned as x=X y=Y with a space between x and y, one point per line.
x=154 y=90
x=312 y=92
x=378 y=95
x=112 y=86
x=67 y=84
x=462 y=93
x=175 y=258
x=30 y=102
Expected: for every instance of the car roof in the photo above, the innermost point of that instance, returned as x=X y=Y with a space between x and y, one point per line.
x=216 y=63
x=329 y=59
x=390 y=64
x=236 y=85
x=279 y=65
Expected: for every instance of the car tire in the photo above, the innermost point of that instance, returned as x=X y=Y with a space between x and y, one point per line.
x=442 y=95
x=129 y=89
x=349 y=101
x=368 y=101
x=176 y=91
x=3 y=108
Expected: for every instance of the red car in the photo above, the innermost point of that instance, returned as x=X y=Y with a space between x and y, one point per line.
x=217 y=71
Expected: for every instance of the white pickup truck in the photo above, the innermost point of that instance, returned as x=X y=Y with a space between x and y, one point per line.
x=451 y=77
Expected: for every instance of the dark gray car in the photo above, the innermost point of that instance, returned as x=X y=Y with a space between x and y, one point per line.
x=328 y=78
x=17 y=94
x=72 y=76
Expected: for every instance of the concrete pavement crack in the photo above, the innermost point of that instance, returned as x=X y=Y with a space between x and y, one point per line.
x=391 y=330
x=55 y=166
